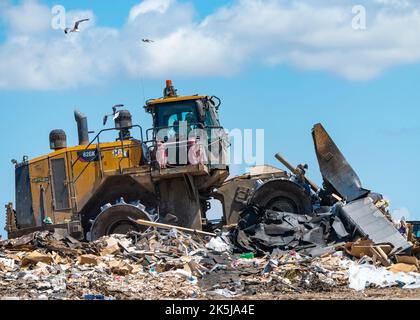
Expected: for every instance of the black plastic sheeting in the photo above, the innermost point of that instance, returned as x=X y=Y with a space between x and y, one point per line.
x=263 y=231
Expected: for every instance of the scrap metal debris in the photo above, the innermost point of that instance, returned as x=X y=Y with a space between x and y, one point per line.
x=293 y=213
x=263 y=230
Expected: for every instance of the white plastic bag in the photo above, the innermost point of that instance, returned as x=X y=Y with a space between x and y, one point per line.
x=363 y=275
x=218 y=245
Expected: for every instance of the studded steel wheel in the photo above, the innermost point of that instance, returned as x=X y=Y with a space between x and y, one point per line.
x=115 y=219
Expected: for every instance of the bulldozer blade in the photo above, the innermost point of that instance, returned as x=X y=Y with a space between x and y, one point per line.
x=335 y=169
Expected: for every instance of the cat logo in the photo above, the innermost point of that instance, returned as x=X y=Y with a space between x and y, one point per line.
x=118 y=153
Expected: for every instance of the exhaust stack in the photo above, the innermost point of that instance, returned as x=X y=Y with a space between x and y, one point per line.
x=82 y=128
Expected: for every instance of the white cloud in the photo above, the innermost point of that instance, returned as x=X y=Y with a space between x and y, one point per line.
x=28 y=18
x=396 y=3
x=147 y=6
x=310 y=35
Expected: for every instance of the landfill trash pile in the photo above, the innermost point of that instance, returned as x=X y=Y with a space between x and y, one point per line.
x=161 y=264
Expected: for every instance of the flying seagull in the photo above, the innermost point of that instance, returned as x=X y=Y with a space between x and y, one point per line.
x=147 y=40
x=76 y=26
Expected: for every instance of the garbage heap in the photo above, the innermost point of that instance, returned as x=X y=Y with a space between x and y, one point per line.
x=161 y=264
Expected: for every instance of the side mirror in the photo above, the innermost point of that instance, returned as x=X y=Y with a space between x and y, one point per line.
x=216 y=103
x=105 y=119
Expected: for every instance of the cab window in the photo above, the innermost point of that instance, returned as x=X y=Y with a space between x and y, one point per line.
x=170 y=114
x=211 y=119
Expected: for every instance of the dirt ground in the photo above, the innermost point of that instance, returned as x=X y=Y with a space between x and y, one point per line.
x=344 y=294
x=337 y=294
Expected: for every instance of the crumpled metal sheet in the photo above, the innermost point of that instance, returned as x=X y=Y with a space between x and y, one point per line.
x=339 y=228
x=363 y=215
x=334 y=167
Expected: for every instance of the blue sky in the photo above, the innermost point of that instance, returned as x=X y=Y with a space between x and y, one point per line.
x=365 y=91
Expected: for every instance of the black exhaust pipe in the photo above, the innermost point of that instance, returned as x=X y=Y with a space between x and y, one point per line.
x=82 y=128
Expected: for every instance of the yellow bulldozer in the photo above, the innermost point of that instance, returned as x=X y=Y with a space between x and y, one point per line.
x=168 y=173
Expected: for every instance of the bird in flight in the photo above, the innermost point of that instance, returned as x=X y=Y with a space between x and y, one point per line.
x=76 y=26
x=147 y=40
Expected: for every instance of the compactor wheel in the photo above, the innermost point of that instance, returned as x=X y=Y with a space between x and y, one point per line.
x=283 y=195
x=115 y=219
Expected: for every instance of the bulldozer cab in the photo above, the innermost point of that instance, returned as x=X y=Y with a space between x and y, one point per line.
x=196 y=113
x=182 y=122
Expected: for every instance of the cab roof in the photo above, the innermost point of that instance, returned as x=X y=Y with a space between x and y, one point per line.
x=154 y=102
